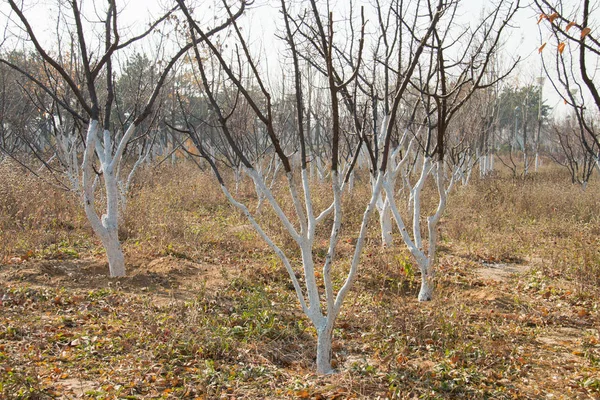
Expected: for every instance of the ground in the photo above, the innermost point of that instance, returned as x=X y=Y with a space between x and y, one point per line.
x=208 y=312
x=177 y=328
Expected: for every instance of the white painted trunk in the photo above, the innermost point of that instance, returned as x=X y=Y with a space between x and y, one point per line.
x=314 y=301
x=425 y=260
x=482 y=164
x=125 y=186
x=260 y=202
x=426 y=292
x=385 y=222
x=485 y=165
x=351 y=182
x=114 y=253
x=107 y=227
x=324 y=342
x=488 y=164
x=66 y=150
x=322 y=314
x=110 y=221
x=467 y=176
x=237 y=175
x=321 y=173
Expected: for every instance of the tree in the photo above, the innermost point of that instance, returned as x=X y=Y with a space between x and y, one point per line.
x=571 y=65
x=21 y=121
x=571 y=152
x=85 y=89
x=443 y=84
x=311 y=38
x=521 y=111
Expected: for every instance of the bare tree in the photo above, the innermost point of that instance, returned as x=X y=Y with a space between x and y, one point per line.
x=573 y=59
x=444 y=84
x=89 y=97
x=571 y=152
x=311 y=38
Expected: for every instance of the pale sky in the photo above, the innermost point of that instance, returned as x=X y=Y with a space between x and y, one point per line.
x=264 y=17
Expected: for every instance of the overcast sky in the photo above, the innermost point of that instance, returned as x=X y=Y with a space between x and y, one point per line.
x=524 y=39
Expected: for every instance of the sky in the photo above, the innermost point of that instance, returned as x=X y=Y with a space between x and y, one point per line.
x=523 y=40
x=264 y=18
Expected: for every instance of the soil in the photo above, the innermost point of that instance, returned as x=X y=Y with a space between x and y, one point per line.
x=556 y=337
x=169 y=277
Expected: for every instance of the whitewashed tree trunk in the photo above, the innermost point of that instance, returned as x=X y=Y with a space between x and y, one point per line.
x=425 y=259
x=272 y=174
x=383 y=207
x=324 y=346
x=323 y=318
x=321 y=172
x=467 y=168
x=395 y=168
x=107 y=227
x=484 y=165
x=351 y=182
x=385 y=221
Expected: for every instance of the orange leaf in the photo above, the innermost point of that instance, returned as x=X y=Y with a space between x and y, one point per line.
x=561 y=47
x=541 y=48
x=552 y=17
x=582 y=313
x=402 y=359
x=542 y=16
x=565 y=100
x=570 y=25
x=585 y=32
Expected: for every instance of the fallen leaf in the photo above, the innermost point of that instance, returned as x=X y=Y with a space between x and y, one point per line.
x=582 y=313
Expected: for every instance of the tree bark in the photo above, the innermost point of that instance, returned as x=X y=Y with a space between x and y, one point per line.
x=114 y=253
x=385 y=222
x=425 y=294
x=324 y=341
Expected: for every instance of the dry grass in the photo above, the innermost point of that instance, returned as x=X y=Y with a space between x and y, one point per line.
x=208 y=312
x=543 y=220
x=35 y=218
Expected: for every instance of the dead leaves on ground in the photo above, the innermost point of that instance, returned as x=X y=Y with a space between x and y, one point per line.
x=111 y=343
